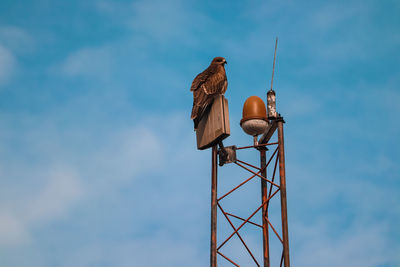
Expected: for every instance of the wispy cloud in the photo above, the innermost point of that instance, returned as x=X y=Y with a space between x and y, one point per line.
x=7 y=64
x=12 y=231
x=122 y=159
x=63 y=177
x=13 y=41
x=160 y=21
x=61 y=191
x=91 y=62
x=38 y=205
x=320 y=247
x=16 y=39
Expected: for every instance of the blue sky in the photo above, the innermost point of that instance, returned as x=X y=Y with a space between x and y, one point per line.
x=98 y=165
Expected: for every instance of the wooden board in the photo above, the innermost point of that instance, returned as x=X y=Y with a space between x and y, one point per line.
x=214 y=126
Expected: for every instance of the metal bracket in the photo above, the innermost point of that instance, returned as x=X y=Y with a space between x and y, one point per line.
x=227 y=155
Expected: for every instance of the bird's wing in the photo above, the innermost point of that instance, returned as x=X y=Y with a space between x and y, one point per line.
x=200 y=101
x=225 y=86
x=200 y=79
x=216 y=83
x=203 y=77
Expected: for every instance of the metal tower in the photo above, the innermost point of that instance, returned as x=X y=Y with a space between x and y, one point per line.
x=270 y=187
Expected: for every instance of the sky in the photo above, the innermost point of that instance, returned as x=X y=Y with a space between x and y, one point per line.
x=98 y=158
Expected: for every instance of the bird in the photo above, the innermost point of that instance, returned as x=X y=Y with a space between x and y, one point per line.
x=206 y=86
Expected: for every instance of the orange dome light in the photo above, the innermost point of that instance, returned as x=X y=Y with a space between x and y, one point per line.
x=254 y=120
x=254 y=108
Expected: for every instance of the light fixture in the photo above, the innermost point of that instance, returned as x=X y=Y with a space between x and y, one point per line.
x=254 y=120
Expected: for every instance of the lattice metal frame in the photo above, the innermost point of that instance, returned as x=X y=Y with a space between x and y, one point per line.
x=270 y=187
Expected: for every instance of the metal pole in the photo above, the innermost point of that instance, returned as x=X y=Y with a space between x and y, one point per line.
x=264 y=197
x=285 y=235
x=213 y=247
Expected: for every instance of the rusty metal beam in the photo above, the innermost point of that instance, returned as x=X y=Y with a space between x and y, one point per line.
x=268 y=133
x=228 y=259
x=248 y=164
x=264 y=197
x=242 y=183
x=273 y=178
x=262 y=177
x=257 y=146
x=240 y=218
x=273 y=229
x=213 y=246
x=251 y=216
x=240 y=237
x=282 y=175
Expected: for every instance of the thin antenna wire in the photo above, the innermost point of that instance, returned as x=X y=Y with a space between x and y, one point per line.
x=273 y=67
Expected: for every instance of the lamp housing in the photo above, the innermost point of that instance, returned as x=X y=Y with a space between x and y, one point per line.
x=254 y=120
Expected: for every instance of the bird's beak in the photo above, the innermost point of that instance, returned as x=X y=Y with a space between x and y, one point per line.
x=225 y=62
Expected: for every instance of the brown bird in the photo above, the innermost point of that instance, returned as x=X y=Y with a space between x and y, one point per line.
x=206 y=86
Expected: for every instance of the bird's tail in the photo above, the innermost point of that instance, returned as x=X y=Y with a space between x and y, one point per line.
x=195 y=116
x=195 y=112
x=198 y=113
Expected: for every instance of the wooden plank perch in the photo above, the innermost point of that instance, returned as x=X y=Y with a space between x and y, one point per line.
x=214 y=126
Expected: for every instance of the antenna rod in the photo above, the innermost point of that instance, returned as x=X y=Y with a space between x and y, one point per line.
x=273 y=67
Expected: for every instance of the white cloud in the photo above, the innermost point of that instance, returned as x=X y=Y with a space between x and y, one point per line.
x=49 y=189
x=12 y=230
x=159 y=20
x=342 y=217
x=165 y=20
x=360 y=245
x=7 y=64
x=123 y=157
x=61 y=192
x=158 y=250
x=16 y=39
x=326 y=38
x=13 y=41
x=90 y=62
